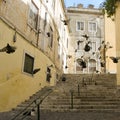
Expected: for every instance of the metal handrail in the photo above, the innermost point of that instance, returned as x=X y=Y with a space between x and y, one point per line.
x=37 y=102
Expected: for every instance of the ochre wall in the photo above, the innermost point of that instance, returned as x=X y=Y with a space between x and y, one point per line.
x=16 y=86
x=117 y=21
x=111 y=38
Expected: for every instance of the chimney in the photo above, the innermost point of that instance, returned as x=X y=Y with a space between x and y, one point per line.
x=90 y=6
x=80 y=5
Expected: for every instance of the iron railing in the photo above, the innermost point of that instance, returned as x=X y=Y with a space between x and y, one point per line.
x=35 y=103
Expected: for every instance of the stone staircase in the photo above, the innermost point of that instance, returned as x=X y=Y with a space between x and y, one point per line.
x=27 y=110
x=75 y=93
x=84 y=93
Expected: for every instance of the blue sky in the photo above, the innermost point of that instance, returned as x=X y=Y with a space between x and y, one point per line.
x=84 y=2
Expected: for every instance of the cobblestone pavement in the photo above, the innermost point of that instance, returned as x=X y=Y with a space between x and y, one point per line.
x=80 y=116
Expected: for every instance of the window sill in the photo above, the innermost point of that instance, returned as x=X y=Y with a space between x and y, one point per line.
x=28 y=74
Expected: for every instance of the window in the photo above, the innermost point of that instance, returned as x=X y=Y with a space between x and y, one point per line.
x=51 y=38
x=33 y=15
x=78 y=66
x=80 y=26
x=93 y=46
x=50 y=42
x=53 y=4
x=67 y=43
x=58 y=50
x=48 y=77
x=45 y=21
x=28 y=64
x=92 y=26
x=92 y=67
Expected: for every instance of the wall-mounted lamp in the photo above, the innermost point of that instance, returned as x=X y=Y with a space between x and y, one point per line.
x=36 y=70
x=8 y=49
x=15 y=37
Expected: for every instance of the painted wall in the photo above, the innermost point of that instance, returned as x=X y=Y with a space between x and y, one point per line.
x=85 y=15
x=110 y=36
x=117 y=25
x=16 y=85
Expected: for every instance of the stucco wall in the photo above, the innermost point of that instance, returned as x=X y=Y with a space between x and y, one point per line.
x=85 y=15
x=16 y=85
x=117 y=22
x=111 y=38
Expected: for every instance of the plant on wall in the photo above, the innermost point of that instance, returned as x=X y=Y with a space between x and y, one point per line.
x=110 y=7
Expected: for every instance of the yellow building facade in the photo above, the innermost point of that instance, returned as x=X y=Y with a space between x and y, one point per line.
x=30 y=55
x=112 y=36
x=110 y=42
x=117 y=26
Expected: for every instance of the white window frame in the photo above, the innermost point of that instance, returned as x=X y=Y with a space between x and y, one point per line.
x=93 y=44
x=92 y=29
x=80 y=25
x=33 y=17
x=53 y=4
x=33 y=57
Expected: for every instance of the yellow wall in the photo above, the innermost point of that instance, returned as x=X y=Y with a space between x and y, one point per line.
x=117 y=20
x=16 y=86
x=111 y=38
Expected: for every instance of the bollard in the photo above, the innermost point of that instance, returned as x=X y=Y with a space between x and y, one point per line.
x=38 y=111
x=71 y=99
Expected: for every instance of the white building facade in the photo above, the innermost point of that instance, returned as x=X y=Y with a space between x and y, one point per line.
x=87 y=34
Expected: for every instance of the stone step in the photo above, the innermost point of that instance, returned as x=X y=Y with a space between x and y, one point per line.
x=88 y=102
x=97 y=94
x=81 y=109
x=101 y=79
x=83 y=105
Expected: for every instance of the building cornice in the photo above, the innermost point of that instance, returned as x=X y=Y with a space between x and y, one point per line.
x=84 y=11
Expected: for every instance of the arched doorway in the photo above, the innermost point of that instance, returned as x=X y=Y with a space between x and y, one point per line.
x=92 y=65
